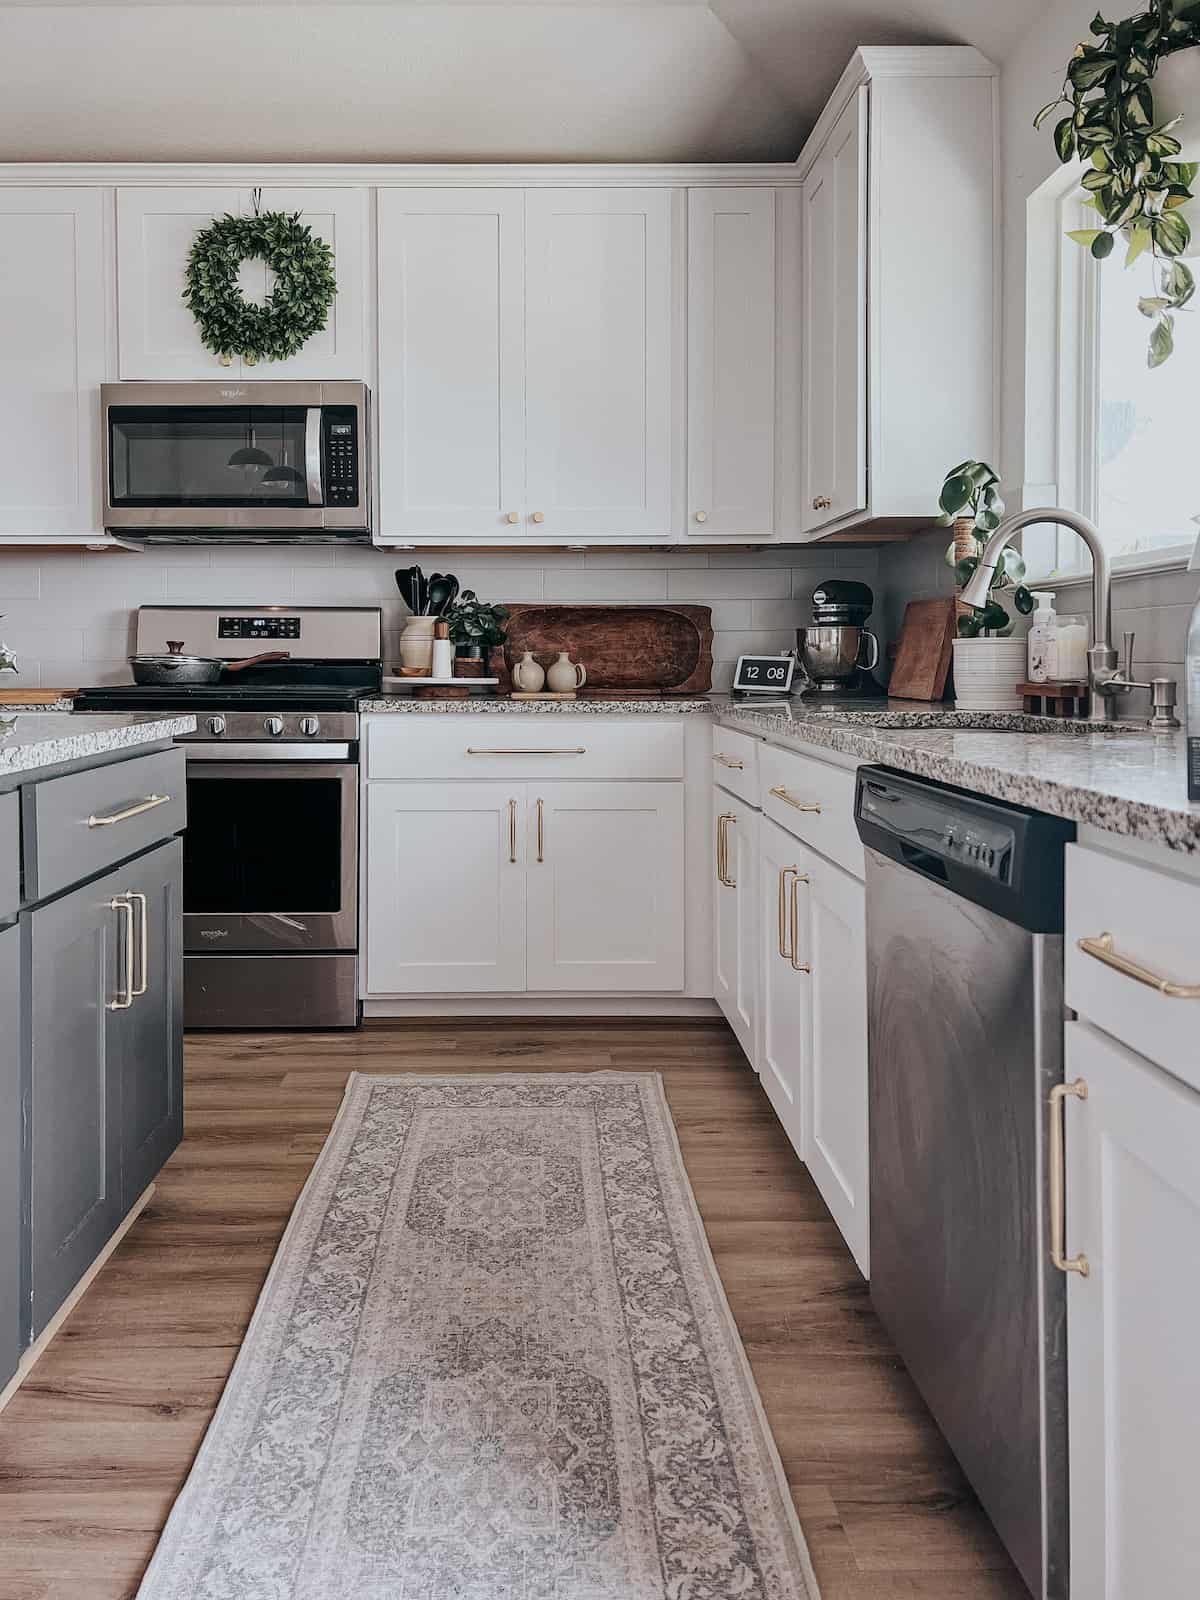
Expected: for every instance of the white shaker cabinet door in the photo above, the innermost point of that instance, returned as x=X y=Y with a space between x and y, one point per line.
x=451 y=362
x=598 y=338
x=833 y=905
x=731 y=362
x=157 y=336
x=606 y=896
x=835 y=324
x=445 y=888
x=339 y=349
x=1133 y=1210
x=735 y=916
x=52 y=338
x=784 y=1034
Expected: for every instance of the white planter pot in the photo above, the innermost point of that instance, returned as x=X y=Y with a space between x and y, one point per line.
x=986 y=673
x=1176 y=91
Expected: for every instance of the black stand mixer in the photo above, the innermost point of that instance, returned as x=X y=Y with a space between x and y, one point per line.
x=838 y=652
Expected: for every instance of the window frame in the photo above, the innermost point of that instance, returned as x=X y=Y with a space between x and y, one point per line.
x=1062 y=396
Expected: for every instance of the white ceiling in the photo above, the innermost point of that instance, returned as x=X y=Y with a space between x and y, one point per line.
x=446 y=80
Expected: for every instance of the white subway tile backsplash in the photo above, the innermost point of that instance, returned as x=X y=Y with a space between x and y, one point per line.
x=68 y=614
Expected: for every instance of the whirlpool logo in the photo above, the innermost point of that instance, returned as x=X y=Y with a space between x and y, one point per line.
x=214 y=933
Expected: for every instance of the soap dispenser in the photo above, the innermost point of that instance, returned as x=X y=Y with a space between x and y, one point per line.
x=1043 y=640
x=1192 y=675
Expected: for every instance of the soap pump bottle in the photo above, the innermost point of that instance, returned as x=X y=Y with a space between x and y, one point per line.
x=1043 y=640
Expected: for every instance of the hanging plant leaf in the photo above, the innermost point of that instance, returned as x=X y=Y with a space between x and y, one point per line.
x=1162 y=341
x=1102 y=245
x=1023 y=599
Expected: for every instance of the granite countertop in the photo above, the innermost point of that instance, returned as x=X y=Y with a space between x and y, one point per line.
x=501 y=705
x=47 y=739
x=1119 y=777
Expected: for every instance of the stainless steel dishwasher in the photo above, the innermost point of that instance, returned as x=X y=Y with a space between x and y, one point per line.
x=965 y=1028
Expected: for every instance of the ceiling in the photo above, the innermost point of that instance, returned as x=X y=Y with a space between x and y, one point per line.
x=447 y=80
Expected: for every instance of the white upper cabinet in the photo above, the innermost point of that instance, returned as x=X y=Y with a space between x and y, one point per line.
x=157 y=334
x=53 y=298
x=452 y=362
x=835 y=324
x=899 y=340
x=598 y=308
x=731 y=407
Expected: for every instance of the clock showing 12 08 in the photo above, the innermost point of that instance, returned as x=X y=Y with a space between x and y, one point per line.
x=764 y=674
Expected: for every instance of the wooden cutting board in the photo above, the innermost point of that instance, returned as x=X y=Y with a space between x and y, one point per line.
x=923 y=653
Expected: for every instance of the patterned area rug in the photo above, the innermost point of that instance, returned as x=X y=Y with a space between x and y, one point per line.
x=492 y=1361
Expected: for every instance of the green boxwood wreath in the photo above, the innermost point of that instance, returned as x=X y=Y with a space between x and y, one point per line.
x=297 y=306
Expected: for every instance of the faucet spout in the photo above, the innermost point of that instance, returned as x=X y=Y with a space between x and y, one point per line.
x=1102 y=658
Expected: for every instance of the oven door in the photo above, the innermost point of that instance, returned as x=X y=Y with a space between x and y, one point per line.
x=270 y=856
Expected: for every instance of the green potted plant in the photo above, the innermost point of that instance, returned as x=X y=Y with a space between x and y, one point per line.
x=1125 y=127
x=988 y=661
x=476 y=627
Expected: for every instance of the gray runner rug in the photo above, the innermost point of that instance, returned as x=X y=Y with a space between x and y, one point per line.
x=492 y=1361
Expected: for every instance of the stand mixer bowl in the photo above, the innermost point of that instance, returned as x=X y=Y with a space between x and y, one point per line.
x=831 y=655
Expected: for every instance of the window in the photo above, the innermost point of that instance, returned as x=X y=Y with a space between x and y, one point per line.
x=1120 y=441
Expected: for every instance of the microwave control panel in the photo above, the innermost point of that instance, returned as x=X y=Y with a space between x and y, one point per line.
x=339 y=429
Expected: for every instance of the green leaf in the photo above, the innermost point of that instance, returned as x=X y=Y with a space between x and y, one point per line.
x=1152 y=305
x=970 y=625
x=1171 y=233
x=1162 y=342
x=1045 y=112
x=1095 y=178
x=1102 y=245
x=1178 y=282
x=1064 y=138
x=964 y=569
x=1023 y=599
x=956 y=495
x=1090 y=69
x=1085 y=236
x=1139 y=241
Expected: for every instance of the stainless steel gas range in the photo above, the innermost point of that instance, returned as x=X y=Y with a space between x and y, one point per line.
x=271 y=851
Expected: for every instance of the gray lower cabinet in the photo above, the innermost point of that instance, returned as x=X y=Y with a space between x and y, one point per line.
x=10 y=1152
x=105 y=985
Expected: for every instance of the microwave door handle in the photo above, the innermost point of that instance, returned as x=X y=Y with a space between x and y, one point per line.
x=312 y=455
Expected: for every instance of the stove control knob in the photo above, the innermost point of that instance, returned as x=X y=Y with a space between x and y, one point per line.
x=273 y=726
x=216 y=726
x=310 y=726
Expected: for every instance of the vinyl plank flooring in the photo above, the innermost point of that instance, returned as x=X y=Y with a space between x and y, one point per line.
x=95 y=1446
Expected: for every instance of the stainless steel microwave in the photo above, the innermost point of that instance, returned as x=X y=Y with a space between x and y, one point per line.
x=237 y=462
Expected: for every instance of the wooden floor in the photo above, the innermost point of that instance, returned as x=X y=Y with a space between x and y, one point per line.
x=95 y=1446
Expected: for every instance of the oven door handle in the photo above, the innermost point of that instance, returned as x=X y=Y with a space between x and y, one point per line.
x=247 y=750
x=312 y=455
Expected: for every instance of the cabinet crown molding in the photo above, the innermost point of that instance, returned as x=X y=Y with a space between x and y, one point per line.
x=386 y=175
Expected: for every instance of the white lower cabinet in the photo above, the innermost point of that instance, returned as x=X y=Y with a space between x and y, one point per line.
x=812 y=1052
x=1133 y=1210
x=445 y=888
x=735 y=920
x=605 y=886
x=501 y=888
x=784 y=1032
x=835 y=1086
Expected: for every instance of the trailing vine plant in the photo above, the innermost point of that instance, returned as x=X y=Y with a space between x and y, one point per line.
x=1135 y=184
x=970 y=502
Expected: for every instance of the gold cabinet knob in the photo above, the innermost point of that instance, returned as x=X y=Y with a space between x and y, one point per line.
x=821 y=502
x=702 y=516
x=513 y=516
x=538 y=516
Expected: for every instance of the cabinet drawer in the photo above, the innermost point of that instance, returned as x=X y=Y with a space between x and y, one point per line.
x=735 y=763
x=814 y=801
x=516 y=747
x=1136 y=915
x=79 y=824
x=10 y=853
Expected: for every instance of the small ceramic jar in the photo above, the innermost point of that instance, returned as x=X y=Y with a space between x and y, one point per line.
x=528 y=676
x=565 y=676
x=416 y=643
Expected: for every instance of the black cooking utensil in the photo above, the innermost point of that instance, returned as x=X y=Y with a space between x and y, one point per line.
x=442 y=589
x=420 y=591
x=406 y=583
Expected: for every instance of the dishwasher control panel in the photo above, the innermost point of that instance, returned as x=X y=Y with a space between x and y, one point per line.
x=1003 y=857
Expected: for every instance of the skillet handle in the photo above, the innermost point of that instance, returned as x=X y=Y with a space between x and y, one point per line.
x=250 y=661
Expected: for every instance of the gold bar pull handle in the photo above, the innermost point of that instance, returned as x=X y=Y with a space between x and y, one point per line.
x=148 y=804
x=527 y=750
x=1058 y=1177
x=781 y=793
x=793 y=923
x=723 y=822
x=122 y=904
x=1101 y=949
x=541 y=830
x=512 y=830
x=784 y=874
x=144 y=981
x=729 y=761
